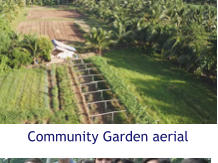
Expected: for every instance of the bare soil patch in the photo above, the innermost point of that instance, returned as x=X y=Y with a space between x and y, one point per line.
x=52 y=23
x=44 y=13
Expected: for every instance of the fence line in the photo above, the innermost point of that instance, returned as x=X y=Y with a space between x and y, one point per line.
x=102 y=90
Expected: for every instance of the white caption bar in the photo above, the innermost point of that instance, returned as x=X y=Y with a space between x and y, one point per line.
x=200 y=141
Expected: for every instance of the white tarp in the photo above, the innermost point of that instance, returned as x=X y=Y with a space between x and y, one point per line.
x=63 y=46
x=66 y=51
x=65 y=55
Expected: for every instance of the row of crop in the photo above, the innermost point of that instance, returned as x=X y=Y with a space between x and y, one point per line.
x=34 y=96
x=120 y=88
x=54 y=91
x=181 y=33
x=11 y=87
x=5 y=89
x=68 y=112
x=24 y=97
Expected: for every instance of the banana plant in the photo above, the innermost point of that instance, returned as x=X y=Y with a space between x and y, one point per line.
x=98 y=39
x=120 y=30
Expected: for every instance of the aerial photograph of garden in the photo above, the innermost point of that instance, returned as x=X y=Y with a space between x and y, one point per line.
x=108 y=61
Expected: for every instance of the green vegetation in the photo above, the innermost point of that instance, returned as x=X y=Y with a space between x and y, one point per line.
x=26 y=94
x=25 y=98
x=68 y=110
x=212 y=2
x=156 y=91
x=16 y=50
x=55 y=101
x=171 y=41
x=98 y=39
x=46 y=2
x=168 y=48
x=182 y=33
x=39 y=48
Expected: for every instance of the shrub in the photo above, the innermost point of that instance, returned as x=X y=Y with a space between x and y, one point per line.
x=44 y=48
x=20 y=57
x=39 y=48
x=17 y=52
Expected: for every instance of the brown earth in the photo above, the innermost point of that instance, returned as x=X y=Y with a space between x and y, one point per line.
x=42 y=13
x=56 y=24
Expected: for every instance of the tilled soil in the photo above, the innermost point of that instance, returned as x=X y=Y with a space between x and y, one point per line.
x=42 y=13
x=56 y=24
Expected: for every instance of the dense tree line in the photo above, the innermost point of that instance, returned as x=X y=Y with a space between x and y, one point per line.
x=182 y=33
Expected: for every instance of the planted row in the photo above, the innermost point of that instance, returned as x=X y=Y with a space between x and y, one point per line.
x=137 y=113
x=24 y=96
x=68 y=112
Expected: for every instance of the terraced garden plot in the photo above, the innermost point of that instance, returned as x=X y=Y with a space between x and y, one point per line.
x=38 y=95
x=60 y=93
x=100 y=103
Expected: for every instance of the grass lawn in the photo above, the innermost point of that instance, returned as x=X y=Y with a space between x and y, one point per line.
x=166 y=93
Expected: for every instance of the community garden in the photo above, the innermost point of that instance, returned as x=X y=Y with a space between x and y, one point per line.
x=140 y=61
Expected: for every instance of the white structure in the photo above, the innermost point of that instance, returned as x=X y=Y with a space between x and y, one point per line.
x=66 y=51
x=65 y=55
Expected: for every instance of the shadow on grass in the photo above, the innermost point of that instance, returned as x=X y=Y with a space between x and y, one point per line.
x=172 y=101
x=172 y=94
